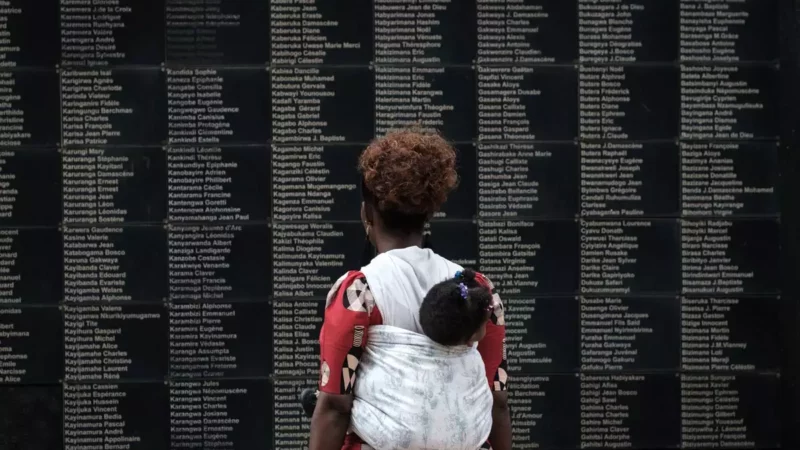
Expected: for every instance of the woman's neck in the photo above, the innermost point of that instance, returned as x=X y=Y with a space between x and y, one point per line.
x=387 y=242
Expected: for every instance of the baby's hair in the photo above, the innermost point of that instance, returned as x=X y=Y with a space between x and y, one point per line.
x=455 y=309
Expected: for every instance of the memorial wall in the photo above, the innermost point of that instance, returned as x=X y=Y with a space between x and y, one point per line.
x=178 y=193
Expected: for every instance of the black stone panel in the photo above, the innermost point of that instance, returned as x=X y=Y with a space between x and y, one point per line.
x=30 y=338
x=321 y=32
x=214 y=340
x=220 y=32
x=32 y=266
x=218 y=262
x=135 y=414
x=31 y=33
x=32 y=417
x=115 y=264
x=124 y=32
x=114 y=342
x=113 y=107
x=30 y=113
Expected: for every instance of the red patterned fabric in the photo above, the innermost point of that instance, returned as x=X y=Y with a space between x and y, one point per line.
x=493 y=346
x=344 y=332
x=353 y=442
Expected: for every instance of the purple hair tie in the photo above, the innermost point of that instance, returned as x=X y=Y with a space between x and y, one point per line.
x=463 y=290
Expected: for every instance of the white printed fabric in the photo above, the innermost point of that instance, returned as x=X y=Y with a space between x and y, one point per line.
x=414 y=394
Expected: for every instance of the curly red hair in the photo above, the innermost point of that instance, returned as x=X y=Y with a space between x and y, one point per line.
x=409 y=171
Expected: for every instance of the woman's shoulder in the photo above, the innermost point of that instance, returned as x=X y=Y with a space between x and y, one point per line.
x=350 y=278
x=353 y=289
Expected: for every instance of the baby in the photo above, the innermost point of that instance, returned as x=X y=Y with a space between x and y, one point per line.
x=455 y=311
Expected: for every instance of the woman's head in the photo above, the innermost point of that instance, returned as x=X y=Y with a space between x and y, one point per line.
x=406 y=177
x=455 y=311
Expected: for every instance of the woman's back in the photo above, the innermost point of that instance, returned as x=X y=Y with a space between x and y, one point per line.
x=412 y=392
x=399 y=280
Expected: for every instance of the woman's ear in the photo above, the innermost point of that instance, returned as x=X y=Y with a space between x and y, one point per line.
x=368 y=213
x=364 y=214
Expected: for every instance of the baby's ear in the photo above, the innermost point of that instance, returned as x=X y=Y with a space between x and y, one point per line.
x=479 y=333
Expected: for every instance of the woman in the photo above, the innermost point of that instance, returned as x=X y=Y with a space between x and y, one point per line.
x=406 y=178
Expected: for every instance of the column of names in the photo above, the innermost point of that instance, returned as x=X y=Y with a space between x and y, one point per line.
x=729 y=232
x=323 y=113
x=31 y=271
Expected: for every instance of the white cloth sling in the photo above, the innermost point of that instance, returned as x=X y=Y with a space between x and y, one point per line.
x=412 y=393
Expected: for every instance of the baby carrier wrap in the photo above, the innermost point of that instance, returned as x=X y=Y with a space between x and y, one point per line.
x=412 y=393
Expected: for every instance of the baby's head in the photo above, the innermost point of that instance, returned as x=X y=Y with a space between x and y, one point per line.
x=455 y=311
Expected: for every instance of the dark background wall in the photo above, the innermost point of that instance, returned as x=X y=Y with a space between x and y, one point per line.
x=178 y=193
